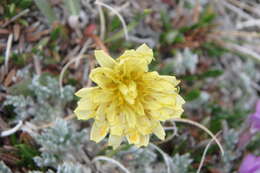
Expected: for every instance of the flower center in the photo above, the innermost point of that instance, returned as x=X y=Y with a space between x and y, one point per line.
x=128 y=89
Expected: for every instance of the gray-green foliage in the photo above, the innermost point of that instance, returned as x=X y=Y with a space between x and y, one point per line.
x=23 y=106
x=69 y=167
x=231 y=137
x=46 y=159
x=45 y=103
x=185 y=61
x=59 y=143
x=141 y=161
x=47 y=88
x=181 y=163
x=199 y=102
x=238 y=81
x=4 y=168
x=145 y=157
x=193 y=3
x=49 y=171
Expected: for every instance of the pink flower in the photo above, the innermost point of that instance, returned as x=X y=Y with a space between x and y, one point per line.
x=250 y=164
x=255 y=119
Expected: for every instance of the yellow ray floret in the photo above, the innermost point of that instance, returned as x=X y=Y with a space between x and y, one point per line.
x=129 y=101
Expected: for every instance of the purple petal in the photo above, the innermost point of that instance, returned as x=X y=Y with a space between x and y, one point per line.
x=255 y=118
x=247 y=164
x=250 y=164
x=244 y=138
x=258 y=107
x=255 y=122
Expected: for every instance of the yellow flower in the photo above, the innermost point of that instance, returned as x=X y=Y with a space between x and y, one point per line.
x=128 y=101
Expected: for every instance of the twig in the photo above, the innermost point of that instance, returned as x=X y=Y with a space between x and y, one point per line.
x=196 y=11
x=84 y=156
x=102 y=22
x=203 y=128
x=65 y=68
x=122 y=7
x=37 y=65
x=237 y=33
x=205 y=152
x=237 y=48
x=8 y=49
x=111 y=161
x=165 y=157
x=118 y=15
x=237 y=10
x=245 y=6
x=82 y=51
x=16 y=17
x=248 y=23
x=13 y=130
x=244 y=50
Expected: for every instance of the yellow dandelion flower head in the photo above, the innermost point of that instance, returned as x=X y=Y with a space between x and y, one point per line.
x=128 y=101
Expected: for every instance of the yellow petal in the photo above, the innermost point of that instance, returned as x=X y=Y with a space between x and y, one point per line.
x=144 y=125
x=104 y=59
x=117 y=129
x=129 y=91
x=159 y=131
x=100 y=113
x=98 y=131
x=127 y=54
x=171 y=79
x=131 y=66
x=130 y=117
x=112 y=114
x=102 y=76
x=133 y=137
x=115 y=141
x=145 y=53
x=138 y=107
x=83 y=114
x=165 y=113
x=84 y=92
x=144 y=141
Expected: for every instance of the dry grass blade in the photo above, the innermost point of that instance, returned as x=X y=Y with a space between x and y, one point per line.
x=111 y=161
x=102 y=22
x=66 y=67
x=8 y=50
x=118 y=14
x=12 y=131
x=205 y=152
x=165 y=157
x=203 y=128
x=16 y=17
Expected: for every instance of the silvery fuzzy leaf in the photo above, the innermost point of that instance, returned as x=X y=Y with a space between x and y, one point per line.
x=4 y=168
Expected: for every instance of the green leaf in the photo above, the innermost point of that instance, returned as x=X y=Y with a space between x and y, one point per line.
x=166 y=21
x=115 y=23
x=46 y=9
x=73 y=7
x=130 y=27
x=212 y=73
x=214 y=50
x=24 y=3
x=192 y=95
x=27 y=153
